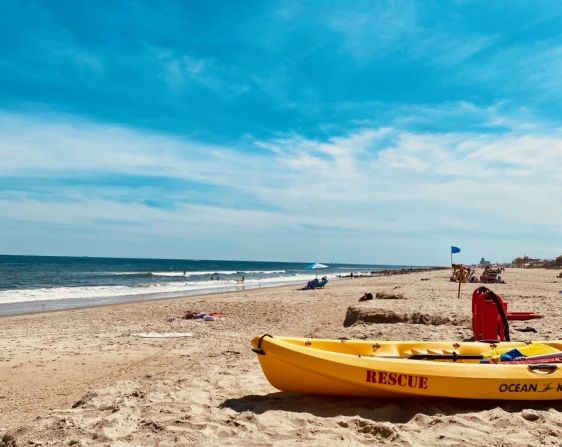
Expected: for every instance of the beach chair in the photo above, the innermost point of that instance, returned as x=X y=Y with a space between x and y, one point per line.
x=321 y=284
x=316 y=284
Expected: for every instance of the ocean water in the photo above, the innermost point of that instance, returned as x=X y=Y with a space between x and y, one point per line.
x=35 y=283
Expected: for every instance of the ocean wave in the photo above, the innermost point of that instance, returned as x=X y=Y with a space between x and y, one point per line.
x=197 y=273
x=171 y=273
x=58 y=293
x=220 y=272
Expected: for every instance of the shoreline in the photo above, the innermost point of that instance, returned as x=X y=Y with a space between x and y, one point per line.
x=62 y=304
x=13 y=309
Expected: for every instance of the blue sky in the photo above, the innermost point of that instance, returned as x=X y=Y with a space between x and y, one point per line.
x=369 y=132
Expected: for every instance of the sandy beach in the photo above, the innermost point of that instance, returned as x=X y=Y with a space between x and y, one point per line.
x=82 y=377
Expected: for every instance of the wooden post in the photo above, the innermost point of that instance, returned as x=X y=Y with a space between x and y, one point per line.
x=459 y=294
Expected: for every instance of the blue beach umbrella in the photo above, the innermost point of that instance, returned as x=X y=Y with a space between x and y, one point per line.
x=316 y=266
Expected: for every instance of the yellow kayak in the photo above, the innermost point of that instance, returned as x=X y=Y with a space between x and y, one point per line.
x=407 y=368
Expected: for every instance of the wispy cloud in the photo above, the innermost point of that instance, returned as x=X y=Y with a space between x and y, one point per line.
x=377 y=31
x=376 y=182
x=404 y=31
x=182 y=71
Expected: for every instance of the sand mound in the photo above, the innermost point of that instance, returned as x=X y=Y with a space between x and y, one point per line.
x=362 y=314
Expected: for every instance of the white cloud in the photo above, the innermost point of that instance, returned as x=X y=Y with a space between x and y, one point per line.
x=383 y=183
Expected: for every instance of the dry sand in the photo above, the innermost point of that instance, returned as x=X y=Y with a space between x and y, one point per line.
x=80 y=377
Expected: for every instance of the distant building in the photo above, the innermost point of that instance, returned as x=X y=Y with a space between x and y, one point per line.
x=484 y=262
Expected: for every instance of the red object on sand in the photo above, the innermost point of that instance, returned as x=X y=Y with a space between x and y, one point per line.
x=487 y=323
x=522 y=316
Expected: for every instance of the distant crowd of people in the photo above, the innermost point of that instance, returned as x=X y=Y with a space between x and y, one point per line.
x=491 y=275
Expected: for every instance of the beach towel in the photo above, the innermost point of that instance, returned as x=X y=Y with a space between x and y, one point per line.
x=508 y=354
x=202 y=316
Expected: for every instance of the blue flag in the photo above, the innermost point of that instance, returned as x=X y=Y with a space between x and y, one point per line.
x=455 y=249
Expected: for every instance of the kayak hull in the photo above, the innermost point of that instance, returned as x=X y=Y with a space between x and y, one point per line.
x=378 y=369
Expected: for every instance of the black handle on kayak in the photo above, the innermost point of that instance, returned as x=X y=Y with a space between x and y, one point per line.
x=259 y=350
x=543 y=368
